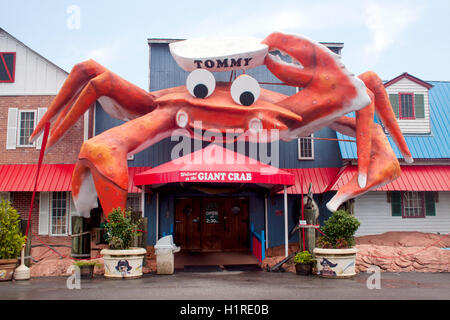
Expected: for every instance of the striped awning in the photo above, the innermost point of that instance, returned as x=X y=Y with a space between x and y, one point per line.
x=53 y=177
x=412 y=178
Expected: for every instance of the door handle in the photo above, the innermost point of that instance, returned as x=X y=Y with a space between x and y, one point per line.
x=195 y=220
x=178 y=221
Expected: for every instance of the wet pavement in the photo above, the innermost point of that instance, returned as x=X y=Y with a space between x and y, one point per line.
x=234 y=285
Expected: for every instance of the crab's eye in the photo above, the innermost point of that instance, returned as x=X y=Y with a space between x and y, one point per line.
x=200 y=83
x=245 y=90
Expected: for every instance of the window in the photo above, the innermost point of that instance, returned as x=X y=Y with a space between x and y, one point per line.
x=134 y=202
x=27 y=120
x=413 y=204
x=59 y=208
x=4 y=196
x=306 y=148
x=7 y=66
x=406 y=105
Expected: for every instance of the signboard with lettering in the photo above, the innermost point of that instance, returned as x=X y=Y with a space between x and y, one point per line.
x=212 y=216
x=216 y=176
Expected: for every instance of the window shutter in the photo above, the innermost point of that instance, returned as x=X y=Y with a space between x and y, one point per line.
x=396 y=203
x=72 y=212
x=11 y=135
x=44 y=208
x=430 y=208
x=40 y=114
x=419 y=106
x=393 y=98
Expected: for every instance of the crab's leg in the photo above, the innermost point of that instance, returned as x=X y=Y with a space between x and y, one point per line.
x=383 y=168
x=364 y=120
x=102 y=167
x=87 y=82
x=385 y=112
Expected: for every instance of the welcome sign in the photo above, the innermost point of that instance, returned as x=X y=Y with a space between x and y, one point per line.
x=216 y=176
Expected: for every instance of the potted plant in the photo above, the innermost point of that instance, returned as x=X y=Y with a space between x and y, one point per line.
x=336 y=254
x=122 y=261
x=11 y=240
x=303 y=263
x=87 y=268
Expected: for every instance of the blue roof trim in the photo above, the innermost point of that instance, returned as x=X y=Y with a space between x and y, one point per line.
x=428 y=146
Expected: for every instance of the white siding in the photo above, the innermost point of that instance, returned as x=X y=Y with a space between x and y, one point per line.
x=34 y=75
x=374 y=213
x=418 y=125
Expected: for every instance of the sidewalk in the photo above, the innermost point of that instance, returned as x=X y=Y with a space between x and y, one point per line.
x=233 y=285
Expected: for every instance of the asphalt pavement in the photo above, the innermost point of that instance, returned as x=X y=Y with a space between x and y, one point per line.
x=235 y=285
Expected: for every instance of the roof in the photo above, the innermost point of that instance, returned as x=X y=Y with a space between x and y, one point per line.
x=215 y=164
x=427 y=146
x=321 y=179
x=409 y=77
x=52 y=177
x=413 y=178
x=44 y=58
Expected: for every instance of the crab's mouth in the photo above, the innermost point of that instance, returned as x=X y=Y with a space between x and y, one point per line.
x=280 y=57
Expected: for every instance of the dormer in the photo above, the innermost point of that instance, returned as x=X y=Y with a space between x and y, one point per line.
x=409 y=99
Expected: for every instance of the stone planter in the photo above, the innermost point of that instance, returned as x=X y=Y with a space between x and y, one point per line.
x=123 y=264
x=7 y=267
x=335 y=263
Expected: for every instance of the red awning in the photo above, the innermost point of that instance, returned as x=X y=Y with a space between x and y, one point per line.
x=215 y=164
x=321 y=179
x=53 y=177
x=413 y=178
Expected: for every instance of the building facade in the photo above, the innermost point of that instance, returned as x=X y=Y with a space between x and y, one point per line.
x=420 y=199
x=28 y=84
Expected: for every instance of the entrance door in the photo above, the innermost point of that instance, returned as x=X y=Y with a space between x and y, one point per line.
x=187 y=224
x=212 y=224
x=236 y=224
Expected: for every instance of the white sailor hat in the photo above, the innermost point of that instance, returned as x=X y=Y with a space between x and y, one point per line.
x=219 y=54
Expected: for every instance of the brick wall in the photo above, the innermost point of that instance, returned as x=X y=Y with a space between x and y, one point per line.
x=21 y=202
x=65 y=151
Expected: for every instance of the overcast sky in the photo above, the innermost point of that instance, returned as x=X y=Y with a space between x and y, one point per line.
x=389 y=37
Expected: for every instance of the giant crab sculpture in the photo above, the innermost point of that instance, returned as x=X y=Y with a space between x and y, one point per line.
x=329 y=92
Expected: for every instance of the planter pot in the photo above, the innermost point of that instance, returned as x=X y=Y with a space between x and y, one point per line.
x=86 y=272
x=7 y=267
x=304 y=269
x=123 y=264
x=335 y=263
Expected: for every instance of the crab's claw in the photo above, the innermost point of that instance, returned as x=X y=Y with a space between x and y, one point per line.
x=87 y=82
x=382 y=169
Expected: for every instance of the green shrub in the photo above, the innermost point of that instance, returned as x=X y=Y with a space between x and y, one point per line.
x=339 y=230
x=302 y=257
x=11 y=239
x=120 y=230
x=87 y=263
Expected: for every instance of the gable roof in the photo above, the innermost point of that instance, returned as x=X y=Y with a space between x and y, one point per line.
x=409 y=77
x=41 y=56
x=428 y=146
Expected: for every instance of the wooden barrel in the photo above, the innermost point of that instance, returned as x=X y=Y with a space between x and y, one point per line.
x=81 y=239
